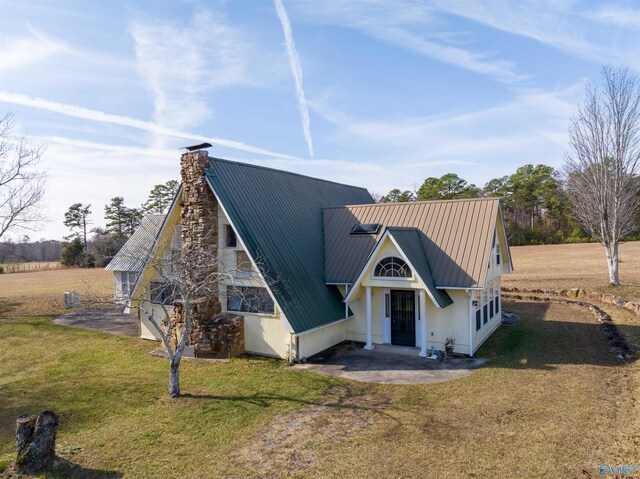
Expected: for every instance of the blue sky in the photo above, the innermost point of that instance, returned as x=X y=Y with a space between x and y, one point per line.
x=376 y=93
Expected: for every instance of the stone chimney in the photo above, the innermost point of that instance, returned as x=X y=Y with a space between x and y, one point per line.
x=199 y=231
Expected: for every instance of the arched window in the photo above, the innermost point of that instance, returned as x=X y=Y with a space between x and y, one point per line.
x=392 y=267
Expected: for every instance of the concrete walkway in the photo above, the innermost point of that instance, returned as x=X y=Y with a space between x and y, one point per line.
x=111 y=321
x=388 y=365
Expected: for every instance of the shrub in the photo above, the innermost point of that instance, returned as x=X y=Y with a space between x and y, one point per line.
x=1 y=269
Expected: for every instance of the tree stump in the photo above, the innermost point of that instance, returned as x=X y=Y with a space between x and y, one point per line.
x=36 y=441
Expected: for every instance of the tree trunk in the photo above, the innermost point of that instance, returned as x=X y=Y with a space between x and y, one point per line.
x=174 y=379
x=612 y=263
x=36 y=441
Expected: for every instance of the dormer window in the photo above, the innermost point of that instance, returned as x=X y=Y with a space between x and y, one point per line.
x=392 y=267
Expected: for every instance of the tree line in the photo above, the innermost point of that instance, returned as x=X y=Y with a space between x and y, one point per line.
x=95 y=247
x=536 y=207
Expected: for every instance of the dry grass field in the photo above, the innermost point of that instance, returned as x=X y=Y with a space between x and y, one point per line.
x=575 y=266
x=552 y=402
x=40 y=292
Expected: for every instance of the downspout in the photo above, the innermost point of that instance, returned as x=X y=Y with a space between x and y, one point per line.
x=470 y=324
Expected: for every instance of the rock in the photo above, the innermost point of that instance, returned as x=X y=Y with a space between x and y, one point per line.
x=509 y=319
x=633 y=307
x=36 y=441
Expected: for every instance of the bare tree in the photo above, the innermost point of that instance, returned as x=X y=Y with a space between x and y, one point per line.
x=21 y=183
x=184 y=281
x=603 y=164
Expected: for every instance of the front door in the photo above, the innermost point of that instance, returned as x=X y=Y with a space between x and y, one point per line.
x=403 y=317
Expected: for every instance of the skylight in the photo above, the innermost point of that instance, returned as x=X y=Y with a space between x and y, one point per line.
x=365 y=229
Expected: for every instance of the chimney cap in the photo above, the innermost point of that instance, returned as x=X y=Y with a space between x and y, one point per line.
x=196 y=147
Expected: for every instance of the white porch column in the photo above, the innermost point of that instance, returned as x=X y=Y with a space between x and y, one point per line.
x=423 y=318
x=369 y=344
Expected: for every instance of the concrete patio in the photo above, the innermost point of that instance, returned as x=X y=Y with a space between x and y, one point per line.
x=388 y=365
x=112 y=321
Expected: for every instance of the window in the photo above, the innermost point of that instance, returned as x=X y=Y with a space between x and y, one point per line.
x=484 y=314
x=127 y=282
x=387 y=305
x=392 y=267
x=249 y=300
x=230 y=238
x=243 y=264
x=490 y=292
x=365 y=229
x=162 y=293
x=498 y=254
x=497 y=300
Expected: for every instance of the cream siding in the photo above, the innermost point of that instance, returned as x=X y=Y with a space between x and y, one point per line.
x=322 y=338
x=147 y=330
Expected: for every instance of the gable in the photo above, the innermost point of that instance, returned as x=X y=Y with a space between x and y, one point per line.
x=278 y=216
x=406 y=244
x=456 y=237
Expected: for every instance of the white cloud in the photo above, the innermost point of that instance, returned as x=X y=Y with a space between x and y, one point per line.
x=531 y=128
x=560 y=25
x=180 y=64
x=296 y=70
x=21 y=52
x=151 y=127
x=412 y=26
x=618 y=15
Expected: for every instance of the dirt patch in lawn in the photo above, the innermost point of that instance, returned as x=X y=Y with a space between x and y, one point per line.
x=293 y=444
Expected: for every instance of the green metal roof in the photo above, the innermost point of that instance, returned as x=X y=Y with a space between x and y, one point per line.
x=278 y=216
x=413 y=246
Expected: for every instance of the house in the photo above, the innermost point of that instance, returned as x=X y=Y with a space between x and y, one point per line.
x=312 y=263
x=130 y=261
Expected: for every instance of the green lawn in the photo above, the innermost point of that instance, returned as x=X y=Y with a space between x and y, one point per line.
x=552 y=402
x=111 y=396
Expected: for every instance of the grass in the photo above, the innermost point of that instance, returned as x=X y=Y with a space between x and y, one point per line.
x=29 y=266
x=111 y=395
x=40 y=292
x=575 y=266
x=552 y=402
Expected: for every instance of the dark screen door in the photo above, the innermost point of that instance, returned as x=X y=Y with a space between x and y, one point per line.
x=403 y=318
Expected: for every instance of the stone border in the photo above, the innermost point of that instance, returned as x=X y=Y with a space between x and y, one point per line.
x=577 y=293
x=618 y=342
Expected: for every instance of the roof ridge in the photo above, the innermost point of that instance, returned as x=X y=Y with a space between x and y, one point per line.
x=455 y=200
x=283 y=171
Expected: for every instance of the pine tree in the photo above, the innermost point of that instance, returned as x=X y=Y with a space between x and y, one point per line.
x=76 y=218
